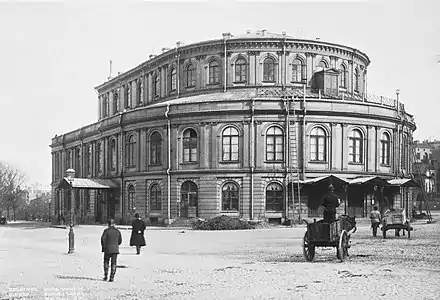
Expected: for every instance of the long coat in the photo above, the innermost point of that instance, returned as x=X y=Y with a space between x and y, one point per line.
x=110 y=240
x=137 y=233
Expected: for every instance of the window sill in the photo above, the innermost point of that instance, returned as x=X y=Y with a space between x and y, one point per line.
x=269 y=81
x=355 y=163
x=274 y=161
x=385 y=165
x=239 y=82
x=229 y=161
x=189 y=163
x=155 y=165
x=317 y=161
x=190 y=87
x=213 y=84
x=229 y=211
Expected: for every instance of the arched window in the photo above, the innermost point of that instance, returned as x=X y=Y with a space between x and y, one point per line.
x=98 y=158
x=190 y=76
x=322 y=64
x=173 y=79
x=385 y=149
x=269 y=70
x=115 y=101
x=342 y=76
x=131 y=148
x=155 y=148
x=274 y=197
x=78 y=162
x=230 y=144
x=214 y=72
x=156 y=86
x=274 y=144
x=89 y=160
x=112 y=155
x=298 y=71
x=230 y=193
x=356 y=80
x=318 y=144
x=189 y=193
x=155 y=197
x=355 y=147
x=139 y=91
x=189 y=145
x=131 y=197
x=240 y=70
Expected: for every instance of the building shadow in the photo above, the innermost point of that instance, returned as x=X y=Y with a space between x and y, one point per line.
x=77 y=278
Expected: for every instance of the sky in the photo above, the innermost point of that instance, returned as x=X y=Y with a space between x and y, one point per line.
x=54 y=53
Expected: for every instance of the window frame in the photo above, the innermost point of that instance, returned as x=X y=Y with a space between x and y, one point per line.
x=385 y=149
x=275 y=137
x=190 y=78
x=188 y=143
x=278 y=196
x=131 y=151
x=315 y=138
x=155 y=193
x=131 y=197
x=240 y=70
x=155 y=148
x=213 y=72
x=269 y=70
x=230 y=138
x=173 y=79
x=230 y=198
x=355 y=145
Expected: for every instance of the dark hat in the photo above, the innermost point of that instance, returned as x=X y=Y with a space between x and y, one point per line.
x=136 y=215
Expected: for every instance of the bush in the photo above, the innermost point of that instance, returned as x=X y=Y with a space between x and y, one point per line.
x=222 y=223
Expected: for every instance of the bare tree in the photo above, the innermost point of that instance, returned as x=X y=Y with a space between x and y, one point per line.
x=11 y=193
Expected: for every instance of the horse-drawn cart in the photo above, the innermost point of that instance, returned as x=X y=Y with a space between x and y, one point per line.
x=334 y=234
x=395 y=219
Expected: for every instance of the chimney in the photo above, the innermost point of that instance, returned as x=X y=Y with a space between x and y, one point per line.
x=283 y=33
x=248 y=32
x=263 y=31
x=165 y=49
x=180 y=43
x=152 y=56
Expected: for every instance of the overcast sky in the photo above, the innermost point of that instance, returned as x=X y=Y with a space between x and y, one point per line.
x=53 y=54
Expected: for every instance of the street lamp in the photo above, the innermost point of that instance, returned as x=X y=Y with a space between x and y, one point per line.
x=70 y=177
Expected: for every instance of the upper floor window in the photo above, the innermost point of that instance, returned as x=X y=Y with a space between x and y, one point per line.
x=89 y=160
x=106 y=106
x=230 y=197
x=78 y=162
x=98 y=158
x=156 y=86
x=139 y=91
x=343 y=76
x=131 y=148
x=274 y=144
x=385 y=149
x=322 y=64
x=189 y=145
x=274 y=197
x=190 y=76
x=155 y=197
x=115 y=101
x=112 y=154
x=230 y=144
x=131 y=197
x=317 y=144
x=155 y=148
x=214 y=72
x=355 y=146
x=69 y=159
x=356 y=80
x=127 y=96
x=173 y=79
x=298 y=71
x=240 y=70
x=269 y=70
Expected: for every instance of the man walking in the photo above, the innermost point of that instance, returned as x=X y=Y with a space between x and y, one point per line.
x=137 y=233
x=110 y=240
x=331 y=201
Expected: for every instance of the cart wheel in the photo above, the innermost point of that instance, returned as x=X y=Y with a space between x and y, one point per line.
x=342 y=251
x=384 y=232
x=308 y=249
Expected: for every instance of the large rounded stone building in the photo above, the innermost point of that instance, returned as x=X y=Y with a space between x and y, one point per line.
x=236 y=126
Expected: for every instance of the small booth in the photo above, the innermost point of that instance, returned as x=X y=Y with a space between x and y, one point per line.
x=364 y=193
x=400 y=189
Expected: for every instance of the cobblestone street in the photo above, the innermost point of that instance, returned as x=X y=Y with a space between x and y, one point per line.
x=254 y=264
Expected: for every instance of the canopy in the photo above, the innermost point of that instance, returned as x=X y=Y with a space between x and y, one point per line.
x=374 y=180
x=403 y=182
x=87 y=183
x=330 y=178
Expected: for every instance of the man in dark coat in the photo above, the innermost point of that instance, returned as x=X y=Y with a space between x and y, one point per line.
x=110 y=240
x=331 y=201
x=137 y=233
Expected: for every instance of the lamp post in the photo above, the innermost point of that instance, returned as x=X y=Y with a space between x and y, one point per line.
x=70 y=177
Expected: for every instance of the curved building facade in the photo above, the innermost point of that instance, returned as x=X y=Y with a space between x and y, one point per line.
x=229 y=126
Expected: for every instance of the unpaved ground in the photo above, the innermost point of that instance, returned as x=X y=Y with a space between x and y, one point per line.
x=255 y=264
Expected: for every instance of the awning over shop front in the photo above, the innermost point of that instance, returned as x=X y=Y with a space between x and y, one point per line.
x=329 y=178
x=87 y=183
x=403 y=182
x=373 y=180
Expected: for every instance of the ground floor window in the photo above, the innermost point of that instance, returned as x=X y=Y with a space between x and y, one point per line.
x=274 y=197
x=230 y=196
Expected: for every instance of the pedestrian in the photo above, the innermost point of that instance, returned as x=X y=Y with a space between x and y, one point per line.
x=331 y=202
x=375 y=219
x=137 y=233
x=110 y=240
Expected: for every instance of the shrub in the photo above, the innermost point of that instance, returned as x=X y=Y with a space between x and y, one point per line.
x=222 y=223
